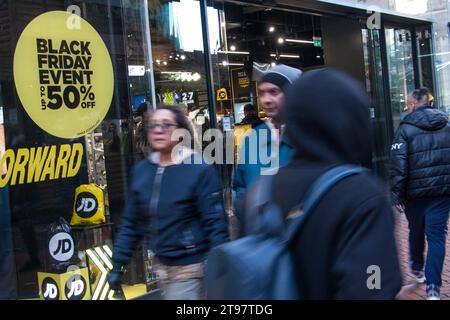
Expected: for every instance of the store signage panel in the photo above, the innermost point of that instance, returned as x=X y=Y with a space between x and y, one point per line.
x=188 y=98
x=64 y=76
x=240 y=84
x=38 y=164
x=136 y=71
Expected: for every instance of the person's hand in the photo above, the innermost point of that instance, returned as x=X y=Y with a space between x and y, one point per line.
x=406 y=291
x=400 y=207
x=115 y=279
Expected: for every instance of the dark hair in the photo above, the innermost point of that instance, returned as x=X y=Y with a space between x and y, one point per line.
x=180 y=118
x=421 y=93
x=142 y=109
x=250 y=108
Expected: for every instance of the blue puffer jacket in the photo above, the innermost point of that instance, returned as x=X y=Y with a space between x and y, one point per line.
x=420 y=161
x=178 y=209
x=254 y=158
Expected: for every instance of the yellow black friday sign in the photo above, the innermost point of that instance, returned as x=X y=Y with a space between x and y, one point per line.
x=64 y=76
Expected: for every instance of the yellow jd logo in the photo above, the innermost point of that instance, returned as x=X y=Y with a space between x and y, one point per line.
x=222 y=94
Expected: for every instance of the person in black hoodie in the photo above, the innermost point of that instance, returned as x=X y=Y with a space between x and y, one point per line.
x=420 y=185
x=251 y=116
x=175 y=202
x=350 y=233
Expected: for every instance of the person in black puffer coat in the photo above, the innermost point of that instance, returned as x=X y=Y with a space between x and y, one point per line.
x=420 y=184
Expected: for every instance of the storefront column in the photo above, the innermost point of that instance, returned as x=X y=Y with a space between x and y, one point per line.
x=208 y=65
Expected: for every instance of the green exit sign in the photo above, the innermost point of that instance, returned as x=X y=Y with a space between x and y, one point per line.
x=317 y=42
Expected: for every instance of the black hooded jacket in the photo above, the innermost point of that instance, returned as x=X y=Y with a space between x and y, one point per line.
x=351 y=231
x=420 y=156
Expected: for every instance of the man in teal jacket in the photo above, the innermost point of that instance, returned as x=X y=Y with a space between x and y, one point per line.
x=265 y=149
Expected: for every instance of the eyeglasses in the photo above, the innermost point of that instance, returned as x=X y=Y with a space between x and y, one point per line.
x=164 y=126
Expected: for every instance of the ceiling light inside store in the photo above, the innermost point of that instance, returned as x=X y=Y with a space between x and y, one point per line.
x=234 y=64
x=293 y=56
x=272 y=29
x=233 y=48
x=183 y=76
x=273 y=64
x=183 y=57
x=299 y=41
x=158 y=61
x=234 y=52
x=280 y=40
x=224 y=63
x=318 y=57
x=165 y=63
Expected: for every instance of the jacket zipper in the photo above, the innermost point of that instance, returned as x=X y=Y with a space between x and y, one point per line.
x=154 y=202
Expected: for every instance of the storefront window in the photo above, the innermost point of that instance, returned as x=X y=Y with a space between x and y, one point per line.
x=91 y=63
x=424 y=45
x=375 y=87
x=401 y=70
x=76 y=81
x=254 y=38
x=179 y=59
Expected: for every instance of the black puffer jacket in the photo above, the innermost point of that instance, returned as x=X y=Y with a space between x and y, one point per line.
x=420 y=156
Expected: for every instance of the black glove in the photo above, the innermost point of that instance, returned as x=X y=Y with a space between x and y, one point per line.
x=115 y=278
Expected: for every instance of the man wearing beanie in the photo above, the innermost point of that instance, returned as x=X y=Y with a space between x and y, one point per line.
x=266 y=144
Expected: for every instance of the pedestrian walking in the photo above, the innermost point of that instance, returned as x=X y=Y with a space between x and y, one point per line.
x=420 y=185
x=175 y=202
x=345 y=247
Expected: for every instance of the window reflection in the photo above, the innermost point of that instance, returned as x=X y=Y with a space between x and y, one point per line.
x=401 y=70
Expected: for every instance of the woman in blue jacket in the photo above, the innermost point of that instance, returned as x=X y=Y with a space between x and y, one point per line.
x=175 y=202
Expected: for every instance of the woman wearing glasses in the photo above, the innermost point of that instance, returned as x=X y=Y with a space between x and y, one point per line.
x=175 y=202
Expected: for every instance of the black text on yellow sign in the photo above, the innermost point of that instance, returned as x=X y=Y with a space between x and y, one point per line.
x=69 y=65
x=30 y=165
x=64 y=76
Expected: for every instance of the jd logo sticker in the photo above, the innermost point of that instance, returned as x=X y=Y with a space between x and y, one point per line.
x=75 y=288
x=50 y=289
x=64 y=76
x=86 y=205
x=61 y=246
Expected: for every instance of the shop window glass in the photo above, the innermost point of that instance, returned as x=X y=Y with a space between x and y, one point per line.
x=254 y=38
x=178 y=59
x=106 y=153
x=401 y=70
x=378 y=111
x=424 y=43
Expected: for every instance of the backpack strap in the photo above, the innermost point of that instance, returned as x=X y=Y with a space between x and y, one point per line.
x=318 y=189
